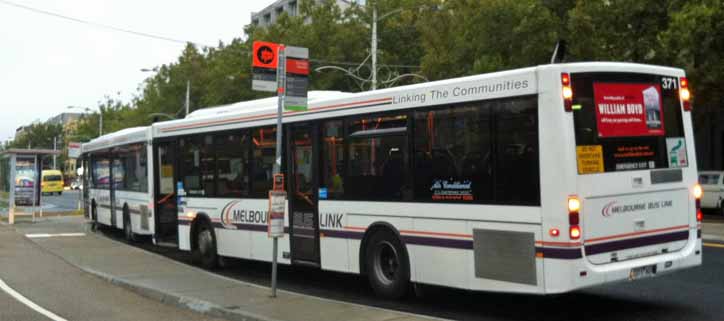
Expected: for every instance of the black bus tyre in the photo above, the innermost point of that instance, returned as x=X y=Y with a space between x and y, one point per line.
x=94 y=217
x=387 y=265
x=721 y=208
x=128 y=227
x=204 y=253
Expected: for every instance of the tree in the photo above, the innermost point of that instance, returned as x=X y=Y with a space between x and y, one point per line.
x=476 y=36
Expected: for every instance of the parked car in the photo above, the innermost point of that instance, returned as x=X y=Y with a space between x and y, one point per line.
x=52 y=182
x=76 y=184
x=712 y=182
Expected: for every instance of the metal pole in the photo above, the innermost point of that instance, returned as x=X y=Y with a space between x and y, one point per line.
x=281 y=92
x=188 y=93
x=55 y=147
x=373 y=51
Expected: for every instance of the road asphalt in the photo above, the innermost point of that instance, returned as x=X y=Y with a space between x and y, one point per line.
x=54 y=285
x=185 y=286
x=58 y=272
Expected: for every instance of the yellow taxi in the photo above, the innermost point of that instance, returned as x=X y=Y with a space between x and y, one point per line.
x=52 y=182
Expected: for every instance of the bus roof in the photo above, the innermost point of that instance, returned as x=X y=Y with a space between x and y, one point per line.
x=263 y=111
x=119 y=138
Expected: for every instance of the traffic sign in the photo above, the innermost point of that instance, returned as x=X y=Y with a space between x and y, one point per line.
x=265 y=58
x=297 y=78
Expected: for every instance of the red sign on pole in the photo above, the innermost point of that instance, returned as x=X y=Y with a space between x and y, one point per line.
x=265 y=54
x=628 y=109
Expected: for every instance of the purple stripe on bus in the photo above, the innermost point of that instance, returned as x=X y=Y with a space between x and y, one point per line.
x=637 y=242
x=559 y=253
x=438 y=242
x=246 y=227
x=342 y=234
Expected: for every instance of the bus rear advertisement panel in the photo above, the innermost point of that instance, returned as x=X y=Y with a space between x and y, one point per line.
x=633 y=166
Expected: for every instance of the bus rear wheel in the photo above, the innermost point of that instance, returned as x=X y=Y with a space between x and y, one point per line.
x=388 y=266
x=204 y=252
x=128 y=227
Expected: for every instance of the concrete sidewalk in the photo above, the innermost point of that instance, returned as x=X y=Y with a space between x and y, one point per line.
x=172 y=282
x=713 y=231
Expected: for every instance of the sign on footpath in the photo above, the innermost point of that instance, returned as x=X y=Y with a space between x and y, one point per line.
x=286 y=71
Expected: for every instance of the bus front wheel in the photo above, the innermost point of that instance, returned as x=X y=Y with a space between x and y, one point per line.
x=128 y=227
x=204 y=251
x=94 y=216
x=388 y=266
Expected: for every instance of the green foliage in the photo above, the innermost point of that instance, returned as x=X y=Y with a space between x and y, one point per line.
x=475 y=36
x=695 y=41
x=38 y=136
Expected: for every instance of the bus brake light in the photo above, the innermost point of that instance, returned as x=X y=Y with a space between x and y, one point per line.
x=574 y=219
x=684 y=93
x=567 y=92
x=575 y=232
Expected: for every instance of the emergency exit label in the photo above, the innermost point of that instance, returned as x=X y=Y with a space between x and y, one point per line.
x=590 y=159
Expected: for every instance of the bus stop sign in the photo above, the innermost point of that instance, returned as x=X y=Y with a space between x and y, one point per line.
x=264 y=66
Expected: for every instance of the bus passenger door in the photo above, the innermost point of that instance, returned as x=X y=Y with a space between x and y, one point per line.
x=302 y=194
x=114 y=166
x=166 y=218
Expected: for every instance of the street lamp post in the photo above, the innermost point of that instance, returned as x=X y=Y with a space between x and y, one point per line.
x=372 y=79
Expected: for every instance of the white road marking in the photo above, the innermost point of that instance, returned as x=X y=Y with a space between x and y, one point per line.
x=45 y=235
x=30 y=304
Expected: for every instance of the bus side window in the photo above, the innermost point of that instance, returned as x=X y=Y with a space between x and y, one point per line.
x=263 y=142
x=232 y=152
x=332 y=160
x=378 y=158
x=517 y=178
x=452 y=154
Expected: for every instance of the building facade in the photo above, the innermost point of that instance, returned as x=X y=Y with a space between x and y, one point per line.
x=64 y=118
x=268 y=16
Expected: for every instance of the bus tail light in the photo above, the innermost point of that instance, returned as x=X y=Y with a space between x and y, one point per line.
x=554 y=232
x=684 y=93
x=698 y=193
x=574 y=219
x=567 y=92
x=575 y=232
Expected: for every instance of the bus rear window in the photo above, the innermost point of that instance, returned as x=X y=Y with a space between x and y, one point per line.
x=627 y=121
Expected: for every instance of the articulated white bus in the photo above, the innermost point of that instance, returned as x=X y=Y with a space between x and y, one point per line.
x=537 y=180
x=118 y=191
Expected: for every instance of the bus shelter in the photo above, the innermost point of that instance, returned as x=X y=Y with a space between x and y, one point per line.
x=20 y=177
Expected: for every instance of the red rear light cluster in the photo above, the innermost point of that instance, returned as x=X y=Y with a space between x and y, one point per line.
x=698 y=193
x=684 y=93
x=567 y=91
x=574 y=219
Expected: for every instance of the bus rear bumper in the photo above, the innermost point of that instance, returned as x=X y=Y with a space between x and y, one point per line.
x=564 y=276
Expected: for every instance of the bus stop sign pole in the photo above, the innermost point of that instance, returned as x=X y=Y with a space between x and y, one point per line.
x=281 y=91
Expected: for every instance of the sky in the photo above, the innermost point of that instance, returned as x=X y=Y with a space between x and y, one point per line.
x=48 y=63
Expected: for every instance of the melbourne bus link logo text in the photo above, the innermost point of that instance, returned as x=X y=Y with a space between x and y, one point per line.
x=613 y=208
x=231 y=215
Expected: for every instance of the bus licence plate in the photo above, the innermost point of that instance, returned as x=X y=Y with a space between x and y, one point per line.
x=642 y=272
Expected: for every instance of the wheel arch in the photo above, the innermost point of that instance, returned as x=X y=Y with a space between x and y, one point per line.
x=201 y=218
x=371 y=230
